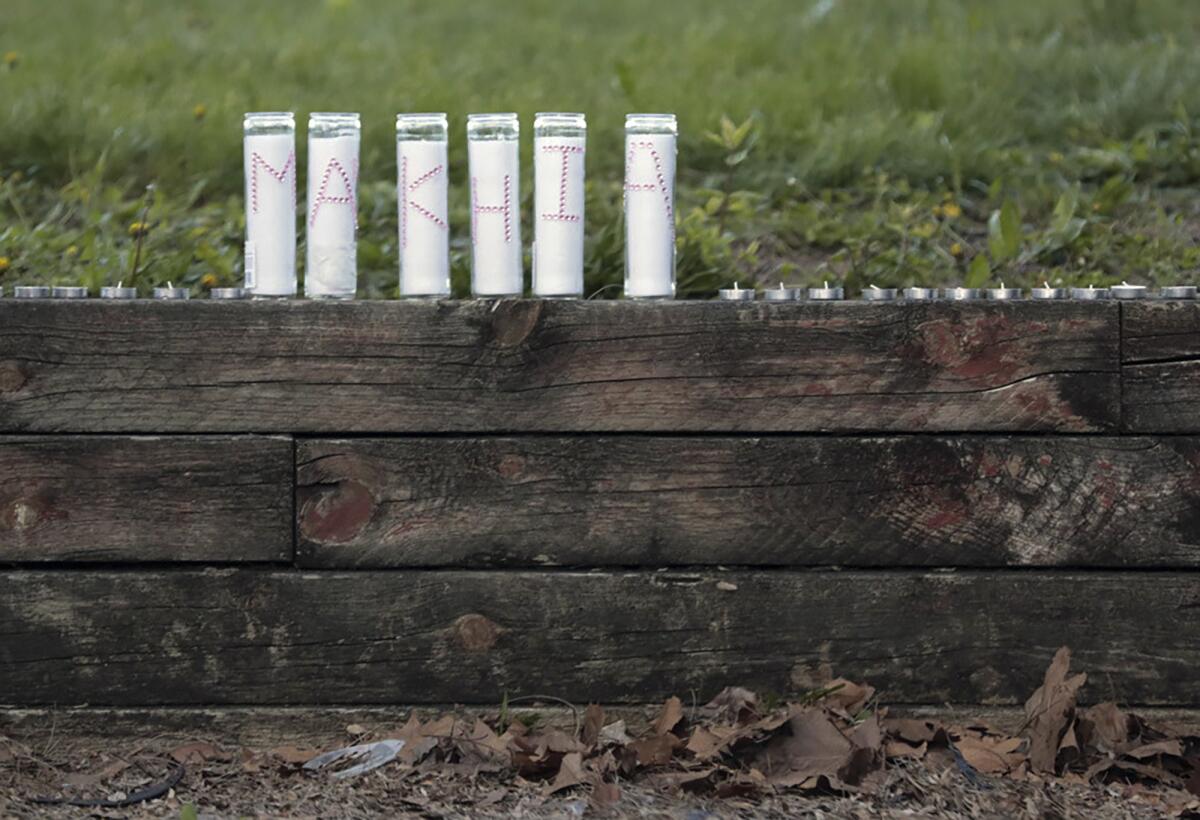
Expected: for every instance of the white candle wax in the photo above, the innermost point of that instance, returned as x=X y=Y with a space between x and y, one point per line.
x=558 y=165
x=270 y=162
x=424 y=220
x=650 y=215
x=496 y=263
x=331 y=269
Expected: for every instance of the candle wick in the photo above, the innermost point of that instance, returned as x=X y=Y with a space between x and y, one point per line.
x=826 y=284
x=874 y=286
x=1047 y=284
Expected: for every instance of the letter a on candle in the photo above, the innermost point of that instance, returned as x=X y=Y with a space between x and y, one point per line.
x=650 y=214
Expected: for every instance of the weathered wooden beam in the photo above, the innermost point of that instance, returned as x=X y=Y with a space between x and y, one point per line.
x=556 y=366
x=257 y=636
x=128 y=498
x=1160 y=373
x=812 y=501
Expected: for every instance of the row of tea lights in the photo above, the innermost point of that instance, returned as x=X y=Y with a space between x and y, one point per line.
x=876 y=294
x=734 y=294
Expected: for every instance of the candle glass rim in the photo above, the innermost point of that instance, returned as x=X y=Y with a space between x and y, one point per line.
x=269 y=121
x=497 y=126
x=433 y=127
x=651 y=124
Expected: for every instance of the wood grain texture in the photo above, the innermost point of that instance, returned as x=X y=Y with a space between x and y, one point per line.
x=655 y=501
x=256 y=636
x=1160 y=373
x=556 y=366
x=122 y=498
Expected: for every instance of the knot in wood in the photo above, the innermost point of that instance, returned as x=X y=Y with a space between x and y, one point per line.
x=513 y=322
x=475 y=633
x=337 y=513
x=12 y=377
x=23 y=515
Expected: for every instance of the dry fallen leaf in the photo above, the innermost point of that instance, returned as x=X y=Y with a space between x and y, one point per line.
x=92 y=778
x=198 y=752
x=654 y=751
x=735 y=705
x=604 y=795
x=813 y=748
x=615 y=734
x=849 y=695
x=593 y=722
x=293 y=755
x=570 y=773
x=1106 y=727
x=991 y=756
x=669 y=718
x=1049 y=711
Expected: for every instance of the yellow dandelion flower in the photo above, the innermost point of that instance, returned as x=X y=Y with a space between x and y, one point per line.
x=937 y=210
x=208 y=280
x=199 y=111
x=4 y=263
x=925 y=230
x=956 y=249
x=72 y=250
x=139 y=228
x=1056 y=157
x=11 y=58
x=951 y=210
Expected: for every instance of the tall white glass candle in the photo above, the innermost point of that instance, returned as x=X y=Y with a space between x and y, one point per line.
x=650 y=206
x=269 y=151
x=559 y=144
x=331 y=271
x=421 y=188
x=493 y=154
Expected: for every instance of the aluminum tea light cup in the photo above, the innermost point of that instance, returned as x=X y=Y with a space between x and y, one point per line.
x=31 y=292
x=736 y=294
x=781 y=294
x=117 y=291
x=876 y=294
x=826 y=293
x=962 y=294
x=1047 y=292
x=1089 y=294
x=1177 y=292
x=1004 y=294
x=1128 y=291
x=172 y=292
x=69 y=293
x=920 y=294
x=227 y=293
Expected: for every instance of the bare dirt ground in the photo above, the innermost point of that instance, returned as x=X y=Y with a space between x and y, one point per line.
x=832 y=753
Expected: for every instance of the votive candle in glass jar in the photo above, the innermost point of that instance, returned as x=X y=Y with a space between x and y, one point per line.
x=494 y=159
x=650 y=146
x=331 y=270
x=421 y=189
x=269 y=148
x=559 y=145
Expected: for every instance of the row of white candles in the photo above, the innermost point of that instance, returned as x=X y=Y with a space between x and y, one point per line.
x=493 y=158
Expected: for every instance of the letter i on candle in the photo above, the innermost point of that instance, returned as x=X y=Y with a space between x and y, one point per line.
x=650 y=206
x=331 y=271
x=493 y=156
x=421 y=188
x=559 y=144
x=269 y=149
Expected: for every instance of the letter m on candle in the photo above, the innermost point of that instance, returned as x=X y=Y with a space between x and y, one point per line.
x=280 y=175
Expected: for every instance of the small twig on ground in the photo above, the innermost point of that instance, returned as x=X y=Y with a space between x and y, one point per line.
x=574 y=709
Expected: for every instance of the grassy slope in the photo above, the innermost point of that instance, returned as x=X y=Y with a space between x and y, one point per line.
x=884 y=134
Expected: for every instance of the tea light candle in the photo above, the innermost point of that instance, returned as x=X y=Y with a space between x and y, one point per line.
x=269 y=158
x=171 y=292
x=826 y=293
x=1089 y=294
x=875 y=294
x=920 y=294
x=422 y=187
x=1178 y=292
x=736 y=294
x=1004 y=294
x=494 y=160
x=1047 y=292
x=69 y=293
x=962 y=294
x=331 y=270
x=227 y=293
x=650 y=144
x=31 y=292
x=1128 y=291
x=559 y=143
x=117 y=292
x=781 y=294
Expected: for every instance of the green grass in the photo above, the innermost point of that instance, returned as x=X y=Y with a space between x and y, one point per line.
x=882 y=137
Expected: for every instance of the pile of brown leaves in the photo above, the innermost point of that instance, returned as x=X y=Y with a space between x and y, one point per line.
x=838 y=740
